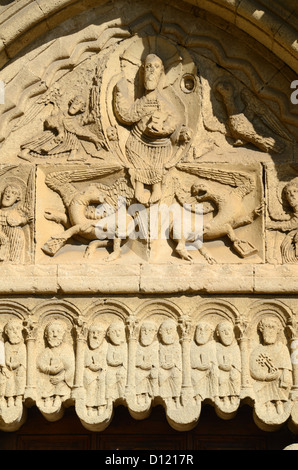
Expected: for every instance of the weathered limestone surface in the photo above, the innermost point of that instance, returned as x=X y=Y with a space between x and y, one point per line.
x=148 y=197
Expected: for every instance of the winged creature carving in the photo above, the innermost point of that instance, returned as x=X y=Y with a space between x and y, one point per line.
x=252 y=122
x=82 y=219
x=228 y=201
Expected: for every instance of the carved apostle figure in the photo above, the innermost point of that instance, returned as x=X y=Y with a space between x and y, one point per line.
x=147 y=363
x=116 y=362
x=95 y=368
x=12 y=219
x=66 y=134
x=170 y=363
x=154 y=120
x=229 y=364
x=56 y=364
x=13 y=380
x=270 y=366
x=203 y=363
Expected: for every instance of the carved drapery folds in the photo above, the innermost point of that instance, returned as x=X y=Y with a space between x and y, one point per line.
x=140 y=155
x=56 y=356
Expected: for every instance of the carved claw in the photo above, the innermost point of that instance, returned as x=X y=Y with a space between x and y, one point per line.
x=113 y=256
x=207 y=256
x=92 y=247
x=51 y=216
x=184 y=254
x=89 y=251
x=210 y=259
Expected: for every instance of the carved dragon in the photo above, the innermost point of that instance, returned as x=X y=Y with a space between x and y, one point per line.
x=82 y=220
x=228 y=201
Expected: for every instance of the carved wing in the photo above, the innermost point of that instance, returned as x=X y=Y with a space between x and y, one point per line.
x=50 y=97
x=28 y=207
x=236 y=179
x=120 y=189
x=257 y=108
x=94 y=97
x=62 y=181
x=6 y=169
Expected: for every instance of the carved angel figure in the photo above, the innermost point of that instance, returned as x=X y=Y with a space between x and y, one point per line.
x=170 y=363
x=66 y=134
x=147 y=363
x=13 y=375
x=203 y=363
x=15 y=214
x=154 y=121
x=56 y=365
x=271 y=367
x=288 y=223
x=95 y=369
x=12 y=239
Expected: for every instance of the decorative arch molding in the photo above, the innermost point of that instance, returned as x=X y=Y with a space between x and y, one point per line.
x=273 y=26
x=30 y=80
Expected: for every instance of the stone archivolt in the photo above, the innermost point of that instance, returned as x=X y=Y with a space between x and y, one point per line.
x=130 y=114
x=55 y=356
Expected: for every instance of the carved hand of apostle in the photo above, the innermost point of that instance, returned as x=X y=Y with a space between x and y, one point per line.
x=95 y=367
x=285 y=379
x=3 y=372
x=203 y=367
x=56 y=366
x=145 y=365
x=12 y=364
x=168 y=362
x=225 y=365
x=57 y=379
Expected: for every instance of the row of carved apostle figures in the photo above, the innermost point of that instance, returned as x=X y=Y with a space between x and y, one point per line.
x=157 y=363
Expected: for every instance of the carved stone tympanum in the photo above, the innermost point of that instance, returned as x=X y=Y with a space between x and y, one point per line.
x=148 y=212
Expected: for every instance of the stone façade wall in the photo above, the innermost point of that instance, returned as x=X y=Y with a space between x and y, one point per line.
x=148 y=234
